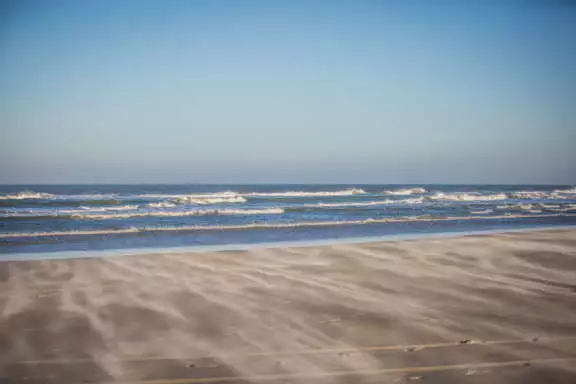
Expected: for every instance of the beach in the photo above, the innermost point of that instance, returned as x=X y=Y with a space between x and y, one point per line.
x=490 y=308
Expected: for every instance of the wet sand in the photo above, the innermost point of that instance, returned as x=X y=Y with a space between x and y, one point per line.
x=498 y=308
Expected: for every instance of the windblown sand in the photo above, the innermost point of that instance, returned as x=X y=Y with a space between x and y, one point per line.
x=475 y=309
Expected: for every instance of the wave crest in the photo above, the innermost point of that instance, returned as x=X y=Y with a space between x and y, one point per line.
x=210 y=200
x=162 y=204
x=569 y=190
x=197 y=212
x=27 y=195
x=417 y=200
x=345 y=192
x=425 y=218
x=463 y=196
x=407 y=191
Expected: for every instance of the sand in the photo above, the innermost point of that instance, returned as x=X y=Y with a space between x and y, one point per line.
x=497 y=308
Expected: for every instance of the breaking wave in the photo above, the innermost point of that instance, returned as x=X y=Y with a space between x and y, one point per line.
x=105 y=209
x=462 y=196
x=210 y=200
x=346 y=192
x=482 y=212
x=407 y=191
x=192 y=228
x=75 y=215
x=535 y=195
x=538 y=207
x=27 y=195
x=569 y=190
x=417 y=200
x=162 y=204
x=223 y=194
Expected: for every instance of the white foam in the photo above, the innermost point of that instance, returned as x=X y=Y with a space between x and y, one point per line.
x=463 y=196
x=535 y=195
x=272 y=225
x=210 y=200
x=222 y=194
x=551 y=206
x=40 y=195
x=162 y=204
x=560 y=208
x=239 y=195
x=196 y=212
x=27 y=195
x=483 y=212
x=418 y=200
x=528 y=195
x=408 y=191
x=569 y=190
x=525 y=207
x=105 y=209
x=346 y=192
x=64 y=213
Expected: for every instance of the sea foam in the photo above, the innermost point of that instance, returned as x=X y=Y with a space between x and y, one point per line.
x=407 y=191
x=27 y=195
x=196 y=212
x=345 y=192
x=462 y=196
x=418 y=200
x=192 y=228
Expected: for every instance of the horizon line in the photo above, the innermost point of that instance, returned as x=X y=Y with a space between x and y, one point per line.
x=274 y=183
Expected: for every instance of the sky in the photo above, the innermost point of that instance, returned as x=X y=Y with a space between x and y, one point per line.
x=239 y=91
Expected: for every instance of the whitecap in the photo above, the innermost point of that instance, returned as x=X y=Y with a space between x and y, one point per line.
x=463 y=196
x=210 y=200
x=346 y=192
x=196 y=212
x=418 y=200
x=408 y=191
x=27 y=195
x=274 y=225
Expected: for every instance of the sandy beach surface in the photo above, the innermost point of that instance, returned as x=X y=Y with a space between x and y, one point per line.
x=498 y=308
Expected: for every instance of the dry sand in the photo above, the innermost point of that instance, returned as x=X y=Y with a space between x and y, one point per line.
x=475 y=309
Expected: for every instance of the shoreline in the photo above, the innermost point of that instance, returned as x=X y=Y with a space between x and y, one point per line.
x=128 y=252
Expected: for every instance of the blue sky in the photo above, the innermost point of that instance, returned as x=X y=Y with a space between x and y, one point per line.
x=288 y=91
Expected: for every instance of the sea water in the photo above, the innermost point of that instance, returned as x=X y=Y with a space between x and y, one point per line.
x=115 y=217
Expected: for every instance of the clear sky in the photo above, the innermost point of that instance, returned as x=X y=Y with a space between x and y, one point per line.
x=288 y=91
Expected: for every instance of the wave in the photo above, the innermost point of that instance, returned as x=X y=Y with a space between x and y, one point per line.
x=197 y=212
x=48 y=196
x=535 y=206
x=162 y=204
x=345 y=192
x=210 y=200
x=240 y=197
x=463 y=196
x=104 y=209
x=408 y=191
x=26 y=195
x=483 y=212
x=40 y=213
x=535 y=195
x=193 y=228
x=76 y=215
x=417 y=200
x=558 y=207
x=223 y=194
x=569 y=190
x=524 y=207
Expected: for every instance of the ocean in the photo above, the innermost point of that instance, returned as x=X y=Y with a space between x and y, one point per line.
x=42 y=218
